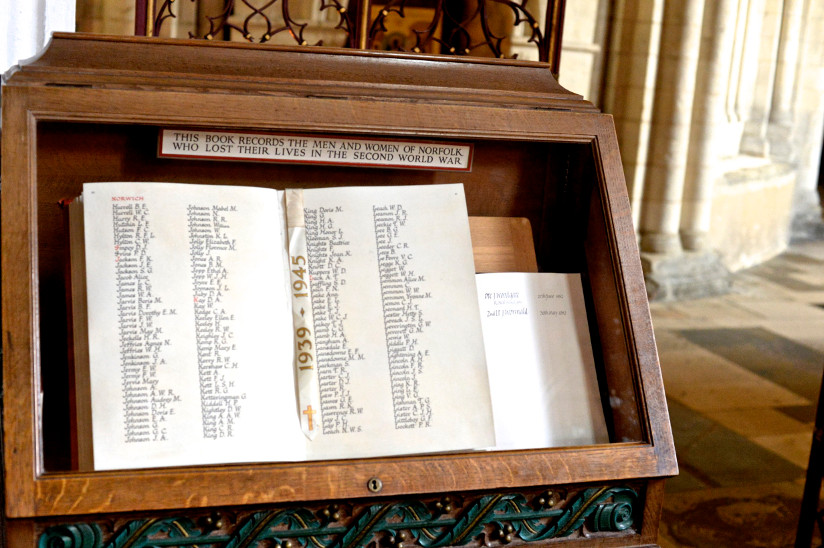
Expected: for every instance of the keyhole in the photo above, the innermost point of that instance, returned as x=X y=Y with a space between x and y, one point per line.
x=374 y=485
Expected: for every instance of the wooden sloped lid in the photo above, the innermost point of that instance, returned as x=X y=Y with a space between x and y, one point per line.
x=116 y=61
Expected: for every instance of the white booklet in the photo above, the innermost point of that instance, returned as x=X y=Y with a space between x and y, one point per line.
x=539 y=354
x=202 y=338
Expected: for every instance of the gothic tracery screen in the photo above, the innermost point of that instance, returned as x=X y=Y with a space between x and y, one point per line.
x=527 y=29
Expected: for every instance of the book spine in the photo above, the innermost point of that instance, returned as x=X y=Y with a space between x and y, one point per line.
x=306 y=371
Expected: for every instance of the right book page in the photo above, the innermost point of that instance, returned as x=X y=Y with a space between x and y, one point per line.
x=401 y=362
x=542 y=375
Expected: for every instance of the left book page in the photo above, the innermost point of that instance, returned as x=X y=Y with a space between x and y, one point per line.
x=189 y=326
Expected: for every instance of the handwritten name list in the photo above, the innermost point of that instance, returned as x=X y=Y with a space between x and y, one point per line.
x=146 y=403
x=210 y=248
x=328 y=250
x=403 y=318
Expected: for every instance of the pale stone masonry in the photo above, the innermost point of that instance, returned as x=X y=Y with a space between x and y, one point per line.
x=719 y=110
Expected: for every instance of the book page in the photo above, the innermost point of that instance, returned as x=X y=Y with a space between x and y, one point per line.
x=189 y=326
x=541 y=367
x=399 y=353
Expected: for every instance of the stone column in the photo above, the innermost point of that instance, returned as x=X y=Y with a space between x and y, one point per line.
x=26 y=26
x=754 y=139
x=779 y=131
x=808 y=127
x=664 y=185
x=630 y=86
x=710 y=121
x=753 y=19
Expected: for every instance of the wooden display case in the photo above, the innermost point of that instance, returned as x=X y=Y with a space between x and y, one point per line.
x=90 y=108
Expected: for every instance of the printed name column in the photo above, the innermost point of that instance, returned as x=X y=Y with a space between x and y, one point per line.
x=328 y=250
x=146 y=404
x=401 y=289
x=210 y=244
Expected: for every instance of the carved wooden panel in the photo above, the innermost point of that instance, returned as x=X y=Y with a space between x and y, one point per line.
x=486 y=519
x=471 y=27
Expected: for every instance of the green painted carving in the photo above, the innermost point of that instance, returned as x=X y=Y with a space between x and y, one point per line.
x=617 y=515
x=577 y=512
x=501 y=517
x=139 y=533
x=131 y=534
x=251 y=530
x=78 y=535
x=299 y=524
x=135 y=534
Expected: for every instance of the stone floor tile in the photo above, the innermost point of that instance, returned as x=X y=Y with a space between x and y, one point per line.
x=776 y=310
x=720 y=457
x=806 y=332
x=705 y=381
x=684 y=481
x=711 y=312
x=735 y=396
x=787 y=363
x=759 y=422
x=801 y=413
x=760 y=515
x=795 y=447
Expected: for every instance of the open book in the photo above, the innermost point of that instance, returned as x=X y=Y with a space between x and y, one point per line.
x=212 y=338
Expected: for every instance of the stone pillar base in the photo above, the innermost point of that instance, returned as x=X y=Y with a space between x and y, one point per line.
x=807 y=226
x=781 y=142
x=689 y=275
x=808 y=217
